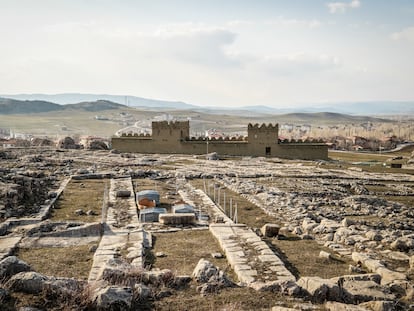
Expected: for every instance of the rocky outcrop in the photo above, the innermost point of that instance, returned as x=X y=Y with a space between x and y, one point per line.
x=12 y=265
x=68 y=143
x=27 y=282
x=320 y=290
x=113 y=298
x=97 y=145
x=213 y=278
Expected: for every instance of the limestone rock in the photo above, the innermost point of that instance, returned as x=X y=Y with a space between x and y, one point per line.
x=158 y=277
x=404 y=244
x=412 y=263
x=319 y=289
x=337 y=306
x=204 y=271
x=142 y=291
x=4 y=295
x=217 y=255
x=181 y=281
x=97 y=145
x=12 y=265
x=289 y=288
x=378 y=305
x=213 y=279
x=373 y=236
x=362 y=291
x=278 y=308
x=113 y=298
x=324 y=255
x=27 y=282
x=270 y=230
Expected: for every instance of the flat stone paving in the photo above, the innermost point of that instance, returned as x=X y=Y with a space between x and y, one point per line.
x=250 y=257
x=115 y=237
x=7 y=245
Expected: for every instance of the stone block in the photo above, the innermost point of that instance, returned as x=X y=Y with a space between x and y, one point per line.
x=177 y=219
x=270 y=230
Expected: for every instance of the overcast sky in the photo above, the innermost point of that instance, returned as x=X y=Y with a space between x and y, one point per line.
x=211 y=52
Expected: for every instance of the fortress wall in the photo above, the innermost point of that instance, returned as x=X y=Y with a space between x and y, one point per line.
x=303 y=151
x=172 y=137
x=134 y=144
x=221 y=147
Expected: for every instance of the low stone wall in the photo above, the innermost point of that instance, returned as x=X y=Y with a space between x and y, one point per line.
x=250 y=257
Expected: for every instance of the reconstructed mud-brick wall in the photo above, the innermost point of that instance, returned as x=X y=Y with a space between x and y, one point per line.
x=173 y=137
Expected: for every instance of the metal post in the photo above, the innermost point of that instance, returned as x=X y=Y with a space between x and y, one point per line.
x=235 y=215
x=231 y=205
x=224 y=202
x=214 y=193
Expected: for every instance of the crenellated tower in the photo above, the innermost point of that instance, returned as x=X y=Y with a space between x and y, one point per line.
x=173 y=130
x=263 y=139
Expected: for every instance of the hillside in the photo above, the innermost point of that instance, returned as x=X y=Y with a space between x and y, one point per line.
x=73 y=98
x=13 y=106
x=98 y=105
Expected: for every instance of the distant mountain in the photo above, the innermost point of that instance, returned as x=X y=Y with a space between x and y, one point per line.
x=364 y=108
x=73 y=98
x=330 y=117
x=372 y=108
x=13 y=106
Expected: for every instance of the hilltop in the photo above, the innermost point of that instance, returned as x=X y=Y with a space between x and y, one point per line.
x=13 y=106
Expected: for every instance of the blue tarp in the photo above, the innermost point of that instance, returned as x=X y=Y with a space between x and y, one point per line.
x=151 y=195
x=182 y=208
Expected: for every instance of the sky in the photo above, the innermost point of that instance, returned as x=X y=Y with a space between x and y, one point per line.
x=211 y=53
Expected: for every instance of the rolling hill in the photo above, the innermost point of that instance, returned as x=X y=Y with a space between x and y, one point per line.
x=13 y=106
x=371 y=108
x=73 y=98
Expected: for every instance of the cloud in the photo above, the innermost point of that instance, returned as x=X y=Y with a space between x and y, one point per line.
x=299 y=64
x=342 y=7
x=282 y=21
x=193 y=43
x=406 y=34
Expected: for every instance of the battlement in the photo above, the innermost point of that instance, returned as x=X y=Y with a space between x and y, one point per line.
x=263 y=126
x=170 y=125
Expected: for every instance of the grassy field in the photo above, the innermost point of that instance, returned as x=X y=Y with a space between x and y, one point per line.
x=248 y=213
x=231 y=299
x=71 y=262
x=80 y=194
x=183 y=250
x=302 y=258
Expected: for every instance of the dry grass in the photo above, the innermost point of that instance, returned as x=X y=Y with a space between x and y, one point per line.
x=232 y=299
x=375 y=161
x=74 y=261
x=359 y=156
x=80 y=194
x=302 y=257
x=184 y=249
x=248 y=213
